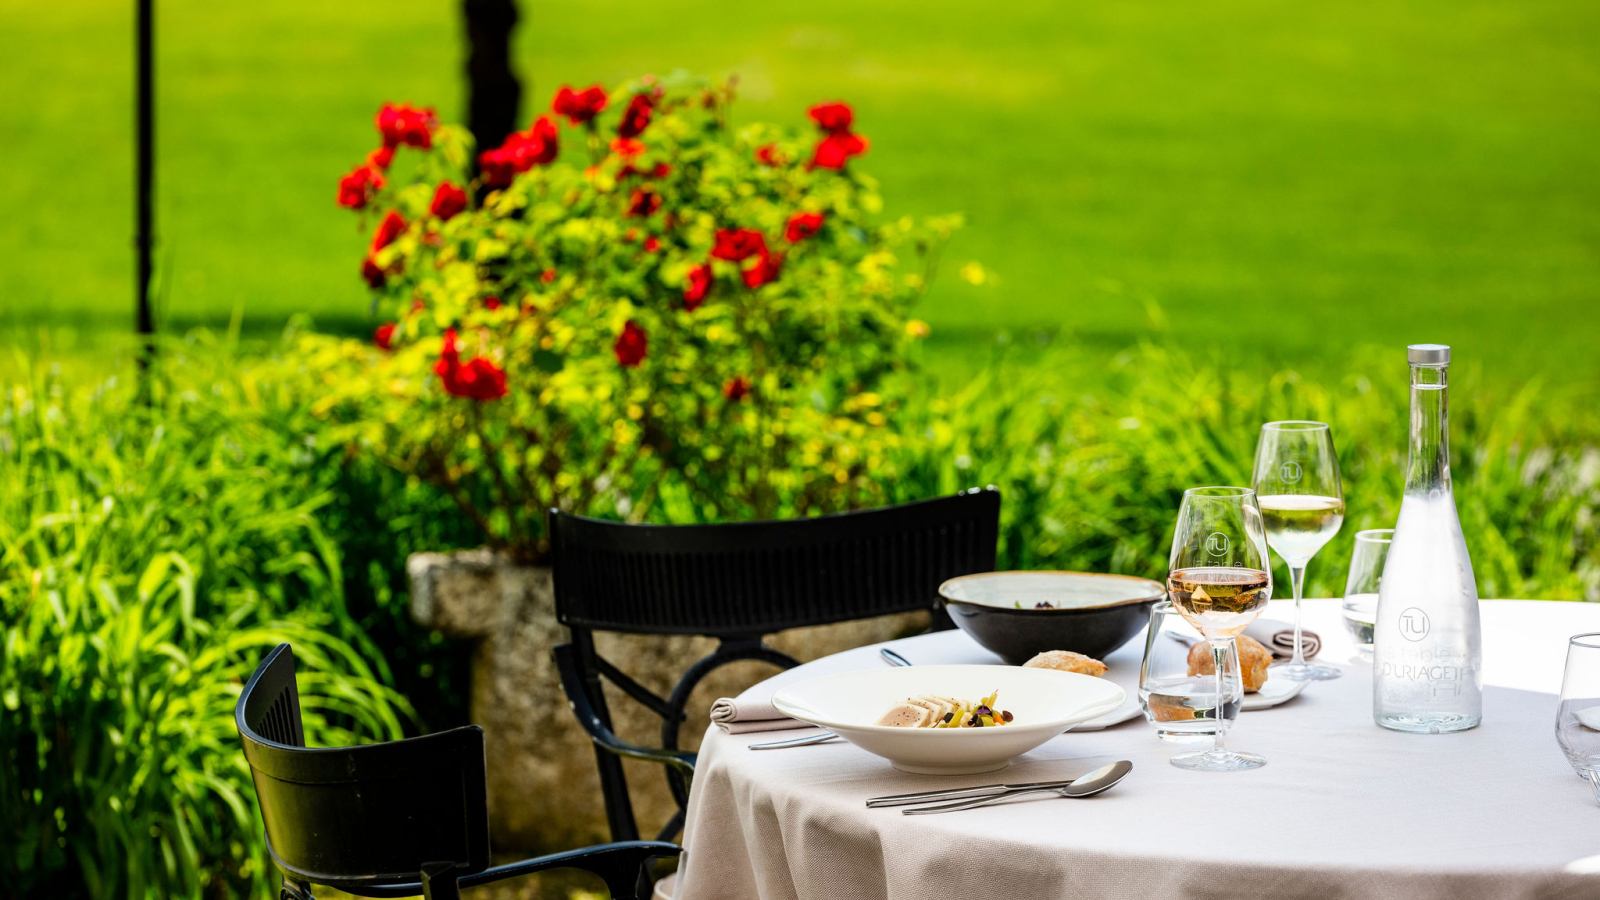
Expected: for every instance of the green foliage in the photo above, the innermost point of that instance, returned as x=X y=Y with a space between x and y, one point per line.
x=696 y=316
x=149 y=556
x=1093 y=462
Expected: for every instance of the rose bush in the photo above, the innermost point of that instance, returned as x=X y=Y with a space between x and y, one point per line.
x=634 y=308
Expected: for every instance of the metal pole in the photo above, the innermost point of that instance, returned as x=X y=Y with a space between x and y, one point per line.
x=144 y=174
x=493 y=91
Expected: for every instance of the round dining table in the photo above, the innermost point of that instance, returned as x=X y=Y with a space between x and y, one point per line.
x=1343 y=810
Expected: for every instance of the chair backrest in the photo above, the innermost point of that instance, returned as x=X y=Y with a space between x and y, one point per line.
x=361 y=816
x=753 y=578
x=739 y=582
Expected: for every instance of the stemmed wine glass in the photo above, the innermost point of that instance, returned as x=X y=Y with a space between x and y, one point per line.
x=1219 y=578
x=1297 y=481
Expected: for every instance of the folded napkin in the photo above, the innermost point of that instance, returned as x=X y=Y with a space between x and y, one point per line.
x=1278 y=637
x=736 y=715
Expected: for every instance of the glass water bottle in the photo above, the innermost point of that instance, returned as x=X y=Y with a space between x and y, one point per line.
x=1427 y=674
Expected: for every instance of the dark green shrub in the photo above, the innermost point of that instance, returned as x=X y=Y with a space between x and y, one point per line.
x=148 y=557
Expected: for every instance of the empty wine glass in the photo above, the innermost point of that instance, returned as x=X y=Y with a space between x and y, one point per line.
x=1219 y=578
x=1361 y=589
x=1578 y=716
x=1297 y=478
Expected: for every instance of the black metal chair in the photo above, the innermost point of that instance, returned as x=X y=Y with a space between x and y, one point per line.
x=394 y=819
x=738 y=583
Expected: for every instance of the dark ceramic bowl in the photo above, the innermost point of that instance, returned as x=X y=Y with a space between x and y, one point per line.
x=1021 y=614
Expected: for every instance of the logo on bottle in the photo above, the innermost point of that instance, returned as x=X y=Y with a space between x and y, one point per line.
x=1217 y=544
x=1289 y=472
x=1413 y=624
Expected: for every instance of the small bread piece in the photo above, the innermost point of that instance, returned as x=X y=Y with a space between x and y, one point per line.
x=1253 y=661
x=1067 y=661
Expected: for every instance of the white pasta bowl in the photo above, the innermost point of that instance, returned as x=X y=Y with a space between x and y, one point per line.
x=1043 y=703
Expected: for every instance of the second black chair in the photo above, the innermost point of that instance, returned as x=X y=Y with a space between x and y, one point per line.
x=394 y=819
x=738 y=583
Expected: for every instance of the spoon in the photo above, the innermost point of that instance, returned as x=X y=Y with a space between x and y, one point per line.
x=889 y=656
x=1101 y=779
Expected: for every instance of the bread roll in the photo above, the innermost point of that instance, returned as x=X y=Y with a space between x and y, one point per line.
x=1067 y=661
x=1253 y=661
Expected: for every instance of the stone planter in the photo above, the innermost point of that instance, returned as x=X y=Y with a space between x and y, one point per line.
x=544 y=793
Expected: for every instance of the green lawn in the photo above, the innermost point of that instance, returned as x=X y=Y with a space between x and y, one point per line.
x=1274 y=178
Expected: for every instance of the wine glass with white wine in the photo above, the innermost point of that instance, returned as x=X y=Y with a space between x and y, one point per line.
x=1219 y=577
x=1297 y=484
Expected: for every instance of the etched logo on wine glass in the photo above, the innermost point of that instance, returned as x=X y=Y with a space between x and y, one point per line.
x=1289 y=472
x=1217 y=544
x=1413 y=624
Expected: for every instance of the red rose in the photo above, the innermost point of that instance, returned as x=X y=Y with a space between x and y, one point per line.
x=405 y=124
x=661 y=170
x=579 y=106
x=491 y=303
x=381 y=157
x=834 y=118
x=765 y=271
x=738 y=244
x=480 y=379
x=477 y=379
x=522 y=151
x=836 y=149
x=652 y=244
x=357 y=188
x=632 y=345
x=697 y=286
x=374 y=275
x=802 y=226
x=768 y=155
x=547 y=276
x=644 y=203
x=499 y=166
x=535 y=147
x=384 y=336
x=389 y=230
x=636 y=117
x=736 y=388
x=448 y=200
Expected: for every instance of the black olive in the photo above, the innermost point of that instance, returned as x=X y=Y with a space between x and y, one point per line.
x=1005 y=714
x=949 y=715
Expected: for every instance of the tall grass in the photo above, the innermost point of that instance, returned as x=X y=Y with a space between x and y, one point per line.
x=149 y=556
x=1093 y=460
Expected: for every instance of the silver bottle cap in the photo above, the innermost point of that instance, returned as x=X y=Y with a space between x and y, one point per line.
x=1428 y=355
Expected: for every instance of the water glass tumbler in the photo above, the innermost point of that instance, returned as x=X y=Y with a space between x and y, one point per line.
x=1181 y=706
x=1578 y=716
x=1361 y=590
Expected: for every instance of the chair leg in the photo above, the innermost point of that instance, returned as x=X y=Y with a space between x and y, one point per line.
x=439 y=882
x=613 y=783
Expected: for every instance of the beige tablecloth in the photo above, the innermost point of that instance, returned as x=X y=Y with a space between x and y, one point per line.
x=1344 y=810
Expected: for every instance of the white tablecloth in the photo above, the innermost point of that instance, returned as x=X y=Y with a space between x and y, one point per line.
x=1343 y=810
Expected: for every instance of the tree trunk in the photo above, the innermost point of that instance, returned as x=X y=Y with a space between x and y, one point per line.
x=493 y=92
